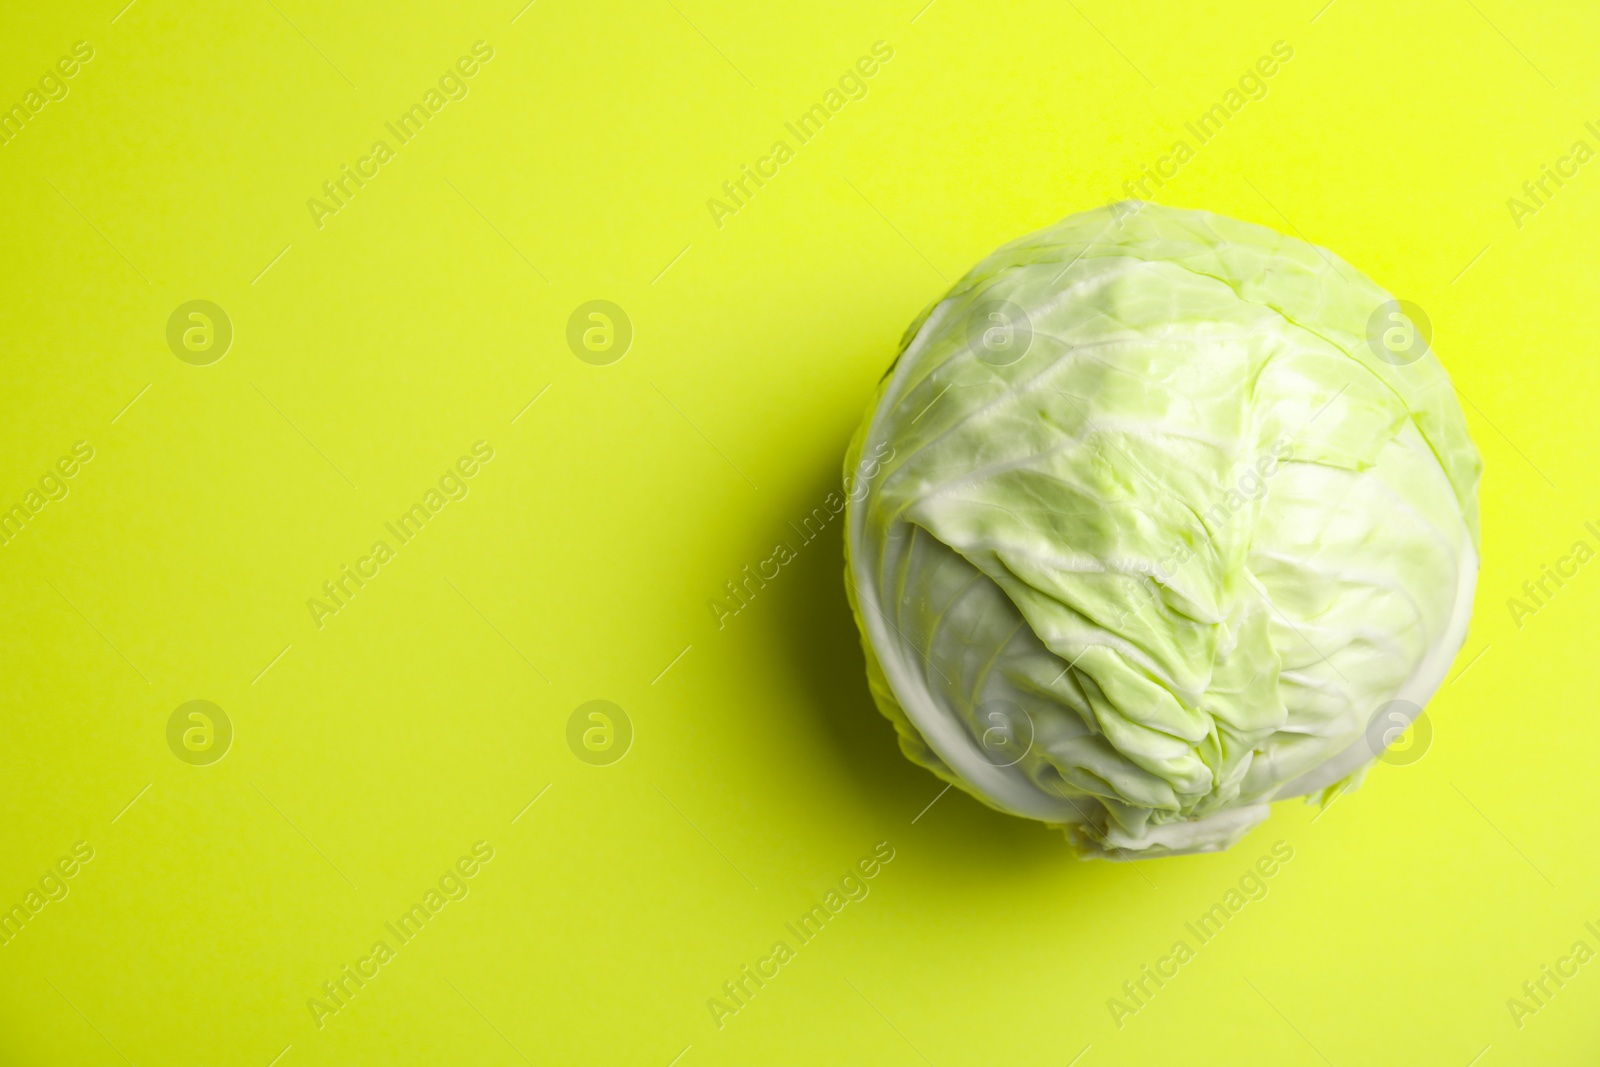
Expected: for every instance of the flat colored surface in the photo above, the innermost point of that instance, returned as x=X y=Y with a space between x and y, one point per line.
x=422 y=312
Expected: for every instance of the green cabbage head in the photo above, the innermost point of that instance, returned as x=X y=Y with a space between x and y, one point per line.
x=1153 y=516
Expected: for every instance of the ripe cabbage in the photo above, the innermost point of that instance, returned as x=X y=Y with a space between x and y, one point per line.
x=1145 y=525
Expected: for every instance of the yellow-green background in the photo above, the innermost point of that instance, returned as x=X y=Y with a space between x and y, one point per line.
x=417 y=722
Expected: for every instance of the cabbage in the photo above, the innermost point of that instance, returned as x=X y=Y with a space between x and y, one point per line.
x=1153 y=513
